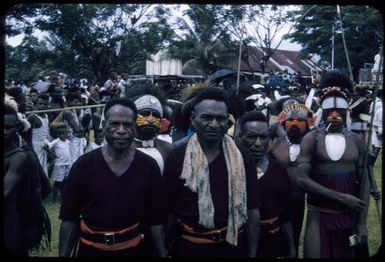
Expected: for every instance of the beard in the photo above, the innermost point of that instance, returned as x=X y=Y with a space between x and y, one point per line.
x=146 y=132
x=294 y=134
x=334 y=127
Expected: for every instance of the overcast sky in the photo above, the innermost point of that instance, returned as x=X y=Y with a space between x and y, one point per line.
x=286 y=45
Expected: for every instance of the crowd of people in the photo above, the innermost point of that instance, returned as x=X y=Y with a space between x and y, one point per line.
x=210 y=172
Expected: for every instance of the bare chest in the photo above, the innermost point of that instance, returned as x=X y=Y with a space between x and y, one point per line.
x=336 y=154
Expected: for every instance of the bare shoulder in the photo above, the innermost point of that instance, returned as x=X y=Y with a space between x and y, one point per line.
x=16 y=154
x=311 y=136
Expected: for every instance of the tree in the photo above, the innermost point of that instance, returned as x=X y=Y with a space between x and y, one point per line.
x=87 y=36
x=205 y=43
x=362 y=25
x=266 y=23
x=20 y=19
x=25 y=61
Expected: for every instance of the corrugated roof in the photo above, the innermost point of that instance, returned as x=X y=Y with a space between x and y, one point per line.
x=280 y=60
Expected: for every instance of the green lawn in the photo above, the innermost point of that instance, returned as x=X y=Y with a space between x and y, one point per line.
x=374 y=227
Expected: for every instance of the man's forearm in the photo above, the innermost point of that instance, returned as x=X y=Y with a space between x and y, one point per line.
x=252 y=231
x=287 y=231
x=158 y=237
x=310 y=186
x=67 y=238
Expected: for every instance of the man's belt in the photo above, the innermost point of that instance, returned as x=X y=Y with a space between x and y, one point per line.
x=208 y=237
x=110 y=240
x=270 y=225
x=269 y=220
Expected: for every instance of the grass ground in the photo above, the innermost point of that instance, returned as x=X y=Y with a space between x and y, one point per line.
x=374 y=226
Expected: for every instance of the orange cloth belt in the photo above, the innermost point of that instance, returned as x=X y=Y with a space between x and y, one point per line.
x=110 y=247
x=270 y=221
x=203 y=237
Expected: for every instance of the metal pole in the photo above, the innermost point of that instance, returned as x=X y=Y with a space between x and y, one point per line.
x=240 y=55
x=333 y=46
x=345 y=48
x=239 y=66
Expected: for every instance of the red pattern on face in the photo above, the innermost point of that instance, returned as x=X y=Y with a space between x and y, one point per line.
x=295 y=122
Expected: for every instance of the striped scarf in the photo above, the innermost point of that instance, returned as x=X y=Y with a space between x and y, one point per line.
x=196 y=175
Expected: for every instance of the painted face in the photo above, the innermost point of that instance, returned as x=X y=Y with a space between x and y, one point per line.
x=295 y=125
x=255 y=136
x=119 y=129
x=147 y=123
x=210 y=120
x=334 y=119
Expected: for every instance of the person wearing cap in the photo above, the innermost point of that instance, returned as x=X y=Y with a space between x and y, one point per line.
x=212 y=192
x=330 y=170
x=295 y=120
x=147 y=100
x=112 y=192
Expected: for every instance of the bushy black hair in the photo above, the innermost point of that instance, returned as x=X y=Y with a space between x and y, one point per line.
x=336 y=78
x=43 y=96
x=121 y=101
x=252 y=116
x=72 y=95
x=33 y=90
x=211 y=93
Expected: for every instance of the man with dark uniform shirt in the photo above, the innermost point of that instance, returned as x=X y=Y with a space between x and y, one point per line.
x=112 y=191
x=276 y=237
x=330 y=169
x=211 y=187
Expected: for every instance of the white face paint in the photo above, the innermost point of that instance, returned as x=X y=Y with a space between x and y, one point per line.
x=334 y=102
x=335 y=146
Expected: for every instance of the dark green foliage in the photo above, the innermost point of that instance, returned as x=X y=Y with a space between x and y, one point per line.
x=82 y=39
x=363 y=28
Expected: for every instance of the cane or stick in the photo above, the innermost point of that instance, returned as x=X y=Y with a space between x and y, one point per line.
x=62 y=109
x=372 y=181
